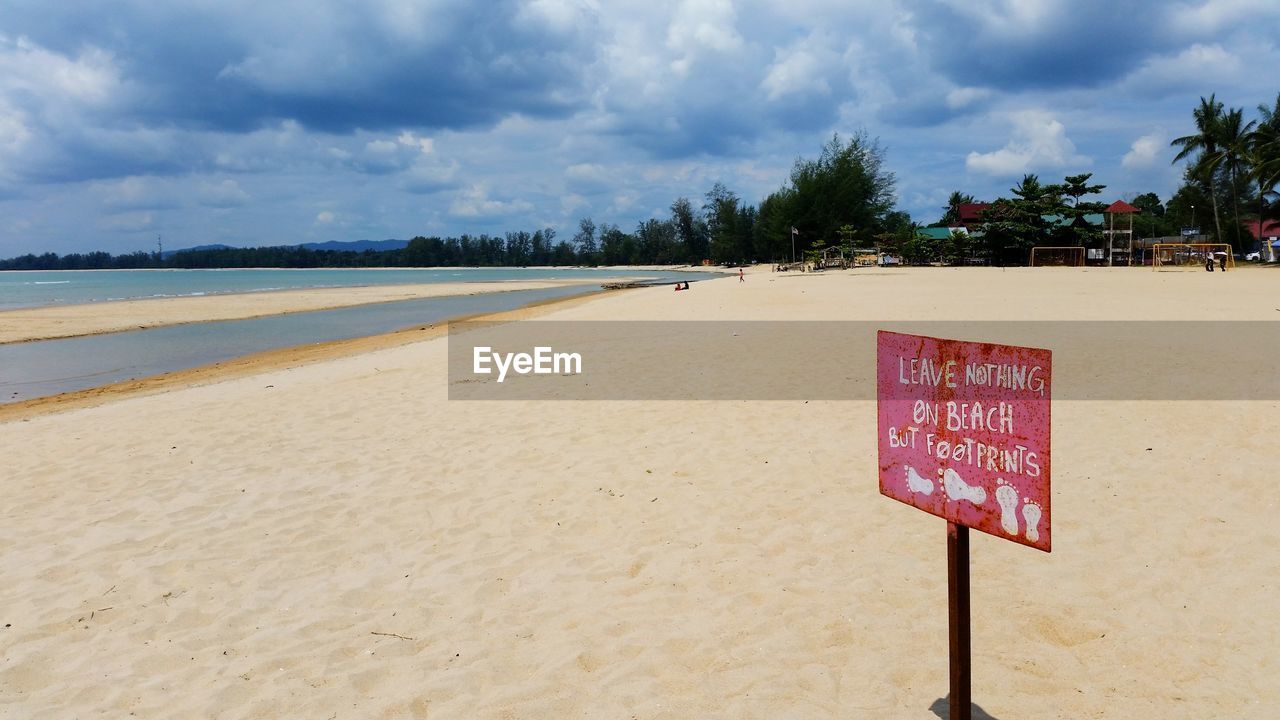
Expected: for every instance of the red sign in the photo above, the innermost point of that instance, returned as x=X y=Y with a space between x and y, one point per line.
x=964 y=432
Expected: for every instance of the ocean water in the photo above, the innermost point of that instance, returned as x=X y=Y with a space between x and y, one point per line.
x=49 y=367
x=24 y=289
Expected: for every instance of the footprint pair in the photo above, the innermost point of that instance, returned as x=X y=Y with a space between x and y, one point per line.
x=954 y=485
x=1007 y=498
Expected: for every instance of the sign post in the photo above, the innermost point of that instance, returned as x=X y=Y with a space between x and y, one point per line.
x=964 y=435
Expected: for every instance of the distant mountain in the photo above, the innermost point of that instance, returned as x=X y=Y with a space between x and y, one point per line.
x=216 y=246
x=358 y=245
x=350 y=246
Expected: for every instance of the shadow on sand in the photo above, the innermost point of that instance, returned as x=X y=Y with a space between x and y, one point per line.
x=939 y=708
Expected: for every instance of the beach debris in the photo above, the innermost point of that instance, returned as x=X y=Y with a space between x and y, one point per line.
x=402 y=637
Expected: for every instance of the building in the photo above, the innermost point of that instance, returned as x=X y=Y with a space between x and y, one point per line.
x=970 y=214
x=1268 y=236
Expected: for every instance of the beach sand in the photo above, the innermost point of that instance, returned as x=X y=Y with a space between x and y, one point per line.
x=61 y=321
x=337 y=539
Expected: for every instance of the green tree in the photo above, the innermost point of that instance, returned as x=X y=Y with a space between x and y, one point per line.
x=585 y=240
x=951 y=213
x=691 y=231
x=728 y=224
x=1234 y=138
x=845 y=185
x=1264 y=154
x=1205 y=146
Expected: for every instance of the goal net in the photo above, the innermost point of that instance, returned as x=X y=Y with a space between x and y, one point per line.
x=1192 y=256
x=1057 y=256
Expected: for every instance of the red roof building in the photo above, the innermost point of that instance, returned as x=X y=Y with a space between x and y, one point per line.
x=1271 y=229
x=1121 y=207
x=971 y=213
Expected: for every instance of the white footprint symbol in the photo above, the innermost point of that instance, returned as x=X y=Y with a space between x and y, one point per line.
x=918 y=484
x=1031 y=513
x=1007 y=497
x=958 y=489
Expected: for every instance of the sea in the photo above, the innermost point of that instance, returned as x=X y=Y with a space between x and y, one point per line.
x=50 y=367
x=26 y=288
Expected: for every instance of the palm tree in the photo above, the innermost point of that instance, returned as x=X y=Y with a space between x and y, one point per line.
x=1205 y=141
x=1234 y=139
x=1264 y=154
x=1029 y=188
x=953 y=206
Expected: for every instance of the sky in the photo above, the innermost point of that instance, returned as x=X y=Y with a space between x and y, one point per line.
x=281 y=122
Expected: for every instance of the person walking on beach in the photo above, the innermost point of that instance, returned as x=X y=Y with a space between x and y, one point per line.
x=740 y=276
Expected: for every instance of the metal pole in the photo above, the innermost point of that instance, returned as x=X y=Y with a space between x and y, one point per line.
x=960 y=701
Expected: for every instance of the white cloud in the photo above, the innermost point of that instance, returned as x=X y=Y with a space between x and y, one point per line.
x=129 y=222
x=701 y=26
x=965 y=96
x=1212 y=17
x=429 y=177
x=135 y=193
x=1146 y=151
x=425 y=145
x=324 y=217
x=89 y=79
x=1194 y=68
x=587 y=178
x=795 y=71
x=1038 y=141
x=474 y=202
x=225 y=194
x=559 y=15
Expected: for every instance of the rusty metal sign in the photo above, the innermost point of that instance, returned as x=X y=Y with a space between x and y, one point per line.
x=964 y=433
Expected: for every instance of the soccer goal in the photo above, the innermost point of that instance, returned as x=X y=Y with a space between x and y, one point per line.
x=1192 y=256
x=1057 y=256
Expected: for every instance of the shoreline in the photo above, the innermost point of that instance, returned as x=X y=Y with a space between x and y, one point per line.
x=278 y=359
x=60 y=322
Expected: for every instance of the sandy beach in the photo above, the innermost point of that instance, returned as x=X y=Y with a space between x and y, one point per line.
x=61 y=321
x=327 y=535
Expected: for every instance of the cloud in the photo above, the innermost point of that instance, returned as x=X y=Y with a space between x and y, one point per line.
x=133 y=222
x=430 y=177
x=225 y=194
x=474 y=202
x=588 y=178
x=1021 y=44
x=1038 y=141
x=699 y=27
x=1214 y=17
x=795 y=71
x=1147 y=151
x=136 y=193
x=333 y=66
x=1191 y=69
